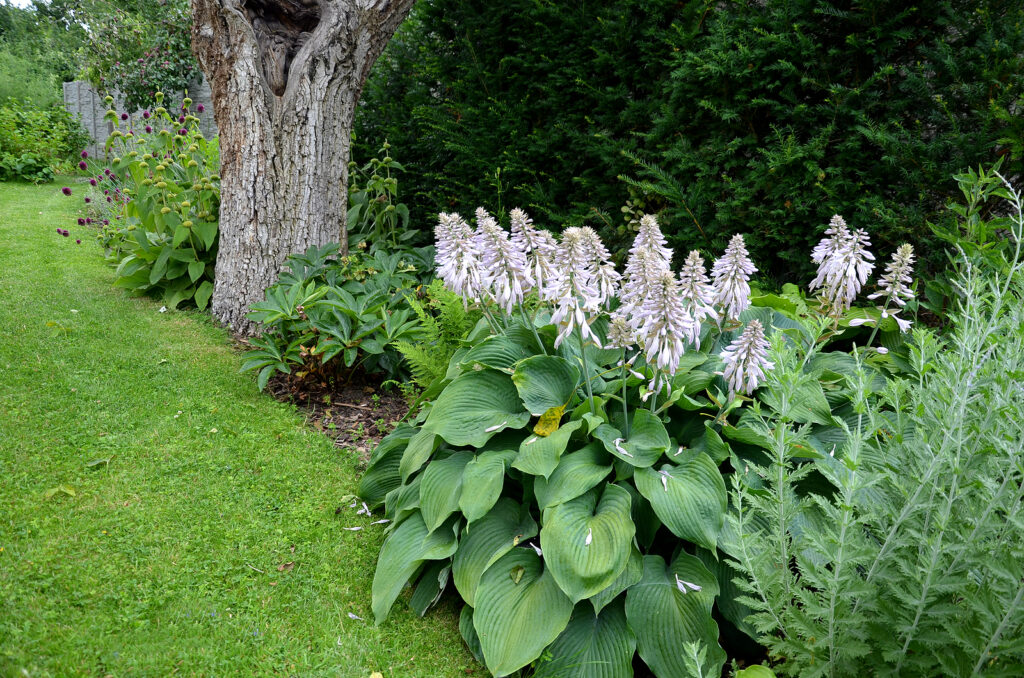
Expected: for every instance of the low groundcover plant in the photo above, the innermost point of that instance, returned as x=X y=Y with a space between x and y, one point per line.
x=569 y=475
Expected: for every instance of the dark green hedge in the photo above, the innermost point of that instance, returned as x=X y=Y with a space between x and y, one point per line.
x=755 y=117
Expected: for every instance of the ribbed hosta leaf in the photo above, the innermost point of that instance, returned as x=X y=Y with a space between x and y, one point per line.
x=592 y=646
x=519 y=611
x=545 y=381
x=441 y=488
x=575 y=474
x=487 y=540
x=499 y=353
x=418 y=452
x=629 y=576
x=469 y=633
x=383 y=474
x=587 y=541
x=689 y=499
x=647 y=440
x=476 y=406
x=539 y=455
x=402 y=501
x=482 y=481
x=664 y=618
x=430 y=587
x=402 y=553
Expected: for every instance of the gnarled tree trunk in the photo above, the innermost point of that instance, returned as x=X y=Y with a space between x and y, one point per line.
x=286 y=76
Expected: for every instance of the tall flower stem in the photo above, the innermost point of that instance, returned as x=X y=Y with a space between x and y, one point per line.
x=625 y=409
x=657 y=388
x=533 y=328
x=874 y=330
x=495 y=326
x=586 y=371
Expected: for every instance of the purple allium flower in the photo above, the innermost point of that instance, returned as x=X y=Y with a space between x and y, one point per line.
x=148 y=129
x=60 y=230
x=146 y=114
x=842 y=274
x=65 y=233
x=457 y=259
x=731 y=274
x=78 y=241
x=181 y=118
x=124 y=116
x=88 y=220
x=697 y=289
x=85 y=154
x=182 y=131
x=81 y=221
x=106 y=222
x=746 y=360
x=106 y=191
x=505 y=273
x=92 y=182
x=200 y=108
x=109 y=199
x=88 y=200
x=82 y=165
x=66 y=190
x=665 y=323
x=106 y=170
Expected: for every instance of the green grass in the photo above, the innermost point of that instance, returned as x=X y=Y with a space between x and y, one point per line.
x=168 y=558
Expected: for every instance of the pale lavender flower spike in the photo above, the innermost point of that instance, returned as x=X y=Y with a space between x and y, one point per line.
x=836 y=236
x=504 y=270
x=842 y=274
x=606 y=278
x=457 y=258
x=540 y=247
x=666 y=324
x=746 y=360
x=648 y=257
x=575 y=292
x=731 y=274
x=697 y=289
x=620 y=333
x=895 y=284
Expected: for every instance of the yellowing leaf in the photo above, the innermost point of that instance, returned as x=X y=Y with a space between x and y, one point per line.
x=548 y=422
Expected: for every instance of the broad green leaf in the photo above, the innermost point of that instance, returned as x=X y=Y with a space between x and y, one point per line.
x=756 y=671
x=519 y=611
x=499 y=353
x=629 y=576
x=593 y=645
x=545 y=381
x=430 y=587
x=195 y=269
x=716 y=448
x=418 y=451
x=587 y=541
x=728 y=602
x=487 y=540
x=647 y=440
x=402 y=553
x=441 y=487
x=746 y=435
x=474 y=407
x=807 y=406
x=666 y=610
x=575 y=474
x=382 y=476
x=402 y=500
x=203 y=294
x=690 y=499
x=468 y=632
x=539 y=455
x=482 y=481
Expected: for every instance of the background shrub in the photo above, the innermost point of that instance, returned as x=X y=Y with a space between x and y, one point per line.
x=35 y=142
x=765 y=118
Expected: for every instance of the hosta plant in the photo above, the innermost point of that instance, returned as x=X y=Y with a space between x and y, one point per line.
x=568 y=481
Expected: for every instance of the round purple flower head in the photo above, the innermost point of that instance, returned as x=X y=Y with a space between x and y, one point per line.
x=148 y=129
x=92 y=182
x=78 y=241
x=106 y=222
x=88 y=220
x=66 y=190
x=85 y=154
x=81 y=221
x=65 y=233
x=181 y=118
x=60 y=230
x=82 y=165
x=146 y=114
x=109 y=199
x=200 y=108
x=124 y=116
x=88 y=200
x=182 y=131
x=107 y=171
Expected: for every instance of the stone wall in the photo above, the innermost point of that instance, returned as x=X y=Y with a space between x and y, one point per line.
x=80 y=98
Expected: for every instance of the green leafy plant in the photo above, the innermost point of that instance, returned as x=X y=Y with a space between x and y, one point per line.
x=571 y=486
x=35 y=143
x=159 y=198
x=899 y=552
x=374 y=215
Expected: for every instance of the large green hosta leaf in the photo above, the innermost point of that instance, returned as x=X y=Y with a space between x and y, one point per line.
x=487 y=540
x=587 y=541
x=474 y=407
x=482 y=481
x=630 y=575
x=441 y=488
x=417 y=452
x=519 y=611
x=593 y=645
x=383 y=474
x=498 y=352
x=690 y=499
x=538 y=455
x=647 y=440
x=545 y=381
x=575 y=474
x=402 y=553
x=671 y=606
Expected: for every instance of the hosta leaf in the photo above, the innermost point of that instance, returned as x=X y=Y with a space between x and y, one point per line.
x=499 y=353
x=545 y=381
x=482 y=481
x=402 y=500
x=587 y=541
x=418 y=451
x=382 y=476
x=690 y=499
x=664 y=618
x=402 y=553
x=539 y=456
x=575 y=474
x=593 y=645
x=519 y=611
x=647 y=440
x=487 y=540
x=468 y=632
x=441 y=487
x=630 y=575
x=548 y=422
x=475 y=406
x=430 y=587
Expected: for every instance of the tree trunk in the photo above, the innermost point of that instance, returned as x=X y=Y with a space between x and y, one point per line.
x=286 y=76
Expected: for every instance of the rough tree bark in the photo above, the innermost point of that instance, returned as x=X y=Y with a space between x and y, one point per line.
x=286 y=76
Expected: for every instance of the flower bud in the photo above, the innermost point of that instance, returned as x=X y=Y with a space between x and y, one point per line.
x=161 y=184
x=187 y=224
x=159 y=96
x=165 y=210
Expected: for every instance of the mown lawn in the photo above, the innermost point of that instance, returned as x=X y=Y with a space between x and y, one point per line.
x=158 y=514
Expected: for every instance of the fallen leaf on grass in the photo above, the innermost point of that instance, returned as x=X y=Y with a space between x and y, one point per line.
x=376 y=674
x=96 y=463
x=65 y=489
x=285 y=567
